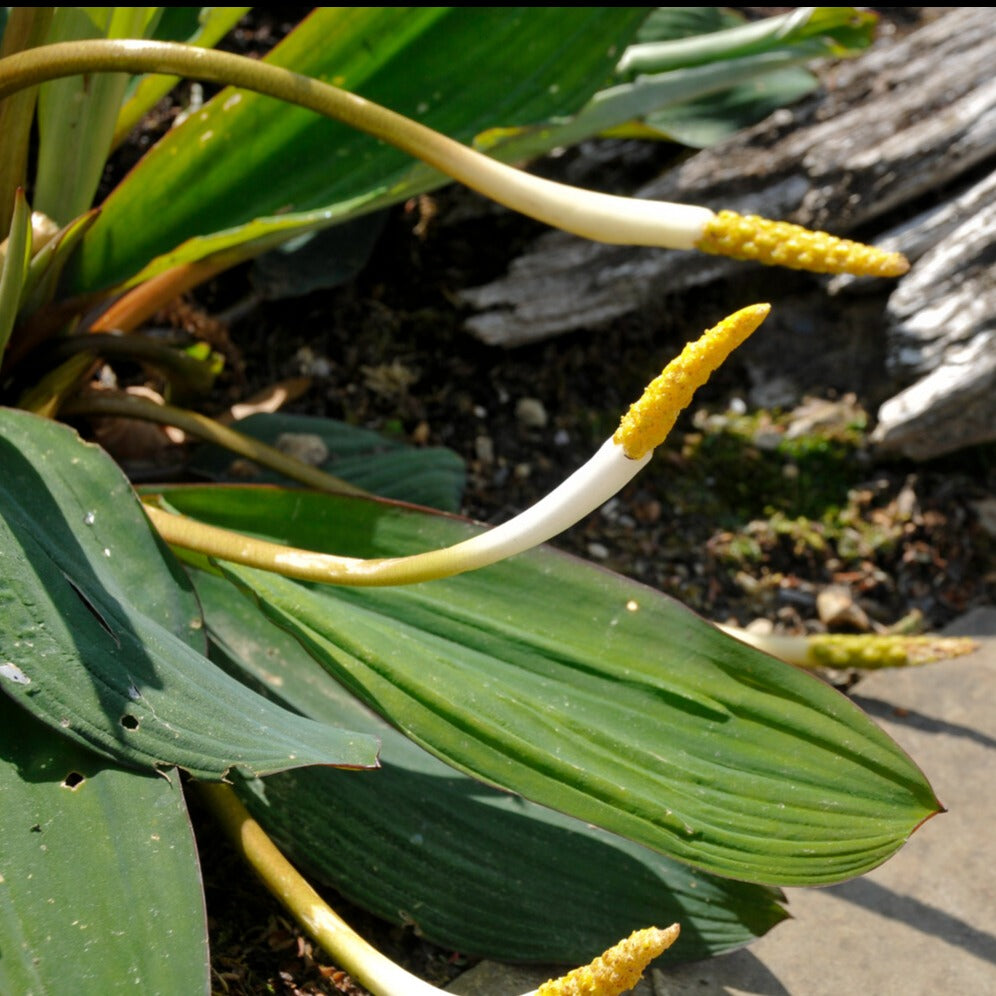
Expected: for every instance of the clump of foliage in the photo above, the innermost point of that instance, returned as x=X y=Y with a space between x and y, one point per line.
x=565 y=735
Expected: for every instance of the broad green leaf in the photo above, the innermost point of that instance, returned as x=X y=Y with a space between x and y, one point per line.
x=459 y=70
x=99 y=886
x=432 y=476
x=76 y=115
x=469 y=866
x=98 y=632
x=592 y=695
x=231 y=246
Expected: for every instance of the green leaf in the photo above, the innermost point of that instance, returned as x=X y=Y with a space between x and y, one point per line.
x=432 y=476
x=100 y=634
x=47 y=264
x=76 y=115
x=592 y=695
x=24 y=28
x=14 y=266
x=668 y=42
x=680 y=94
x=709 y=120
x=469 y=866
x=201 y=26
x=459 y=70
x=99 y=886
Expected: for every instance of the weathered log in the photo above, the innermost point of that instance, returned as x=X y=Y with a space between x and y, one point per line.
x=910 y=119
x=943 y=329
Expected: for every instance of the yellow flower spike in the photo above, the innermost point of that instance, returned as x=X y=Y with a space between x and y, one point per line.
x=615 y=464
x=779 y=243
x=872 y=651
x=647 y=423
x=867 y=651
x=616 y=971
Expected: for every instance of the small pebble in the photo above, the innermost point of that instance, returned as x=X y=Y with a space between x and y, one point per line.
x=836 y=607
x=531 y=413
x=484 y=448
x=303 y=446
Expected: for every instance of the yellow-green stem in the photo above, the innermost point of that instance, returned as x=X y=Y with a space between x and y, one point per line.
x=128 y=406
x=362 y=961
x=601 y=217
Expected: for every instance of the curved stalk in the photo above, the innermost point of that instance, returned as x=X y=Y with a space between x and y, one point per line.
x=610 y=469
x=176 y=366
x=361 y=960
x=600 y=217
x=128 y=406
x=611 y=974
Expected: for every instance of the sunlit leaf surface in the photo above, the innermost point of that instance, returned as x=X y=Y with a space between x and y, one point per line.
x=592 y=695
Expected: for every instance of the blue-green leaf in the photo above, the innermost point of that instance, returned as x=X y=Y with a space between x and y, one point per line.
x=100 y=636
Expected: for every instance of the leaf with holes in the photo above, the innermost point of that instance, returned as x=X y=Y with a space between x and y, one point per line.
x=592 y=695
x=99 y=633
x=99 y=885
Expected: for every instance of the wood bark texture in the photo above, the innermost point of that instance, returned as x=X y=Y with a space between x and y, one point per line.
x=897 y=148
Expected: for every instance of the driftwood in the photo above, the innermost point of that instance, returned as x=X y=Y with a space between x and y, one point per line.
x=942 y=321
x=911 y=119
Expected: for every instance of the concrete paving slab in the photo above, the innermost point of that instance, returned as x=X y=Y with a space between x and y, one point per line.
x=925 y=921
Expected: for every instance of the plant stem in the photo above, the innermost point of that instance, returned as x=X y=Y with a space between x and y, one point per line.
x=362 y=961
x=601 y=217
x=128 y=406
x=177 y=366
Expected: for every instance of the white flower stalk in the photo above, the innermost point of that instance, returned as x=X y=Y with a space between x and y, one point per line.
x=601 y=217
x=616 y=463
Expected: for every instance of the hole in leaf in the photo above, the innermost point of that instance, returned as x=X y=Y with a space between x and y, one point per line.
x=129 y=722
x=73 y=781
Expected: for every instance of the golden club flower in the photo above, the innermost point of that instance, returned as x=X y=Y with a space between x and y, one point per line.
x=597 y=216
x=613 y=466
